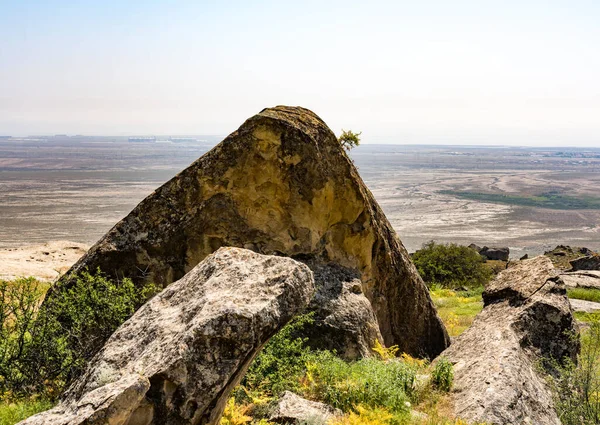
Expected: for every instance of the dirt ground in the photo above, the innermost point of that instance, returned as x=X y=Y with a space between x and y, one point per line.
x=45 y=262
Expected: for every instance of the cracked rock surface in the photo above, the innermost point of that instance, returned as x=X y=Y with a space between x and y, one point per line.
x=175 y=361
x=526 y=318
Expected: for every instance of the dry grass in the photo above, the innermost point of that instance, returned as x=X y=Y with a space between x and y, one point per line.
x=457 y=309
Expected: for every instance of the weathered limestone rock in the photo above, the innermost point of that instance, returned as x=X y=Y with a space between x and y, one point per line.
x=177 y=359
x=589 y=262
x=280 y=184
x=293 y=409
x=526 y=318
x=582 y=279
x=500 y=254
x=344 y=319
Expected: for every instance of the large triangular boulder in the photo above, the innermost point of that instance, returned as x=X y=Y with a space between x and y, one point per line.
x=281 y=184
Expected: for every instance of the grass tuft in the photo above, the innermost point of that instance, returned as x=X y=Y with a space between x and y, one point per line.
x=584 y=317
x=586 y=294
x=457 y=309
x=13 y=412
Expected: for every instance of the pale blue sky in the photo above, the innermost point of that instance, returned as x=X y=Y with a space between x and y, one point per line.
x=463 y=72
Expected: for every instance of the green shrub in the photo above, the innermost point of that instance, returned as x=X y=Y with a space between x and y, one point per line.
x=19 y=302
x=13 y=412
x=585 y=317
x=359 y=388
x=442 y=375
x=349 y=139
x=282 y=362
x=367 y=382
x=577 y=386
x=91 y=309
x=451 y=265
x=43 y=349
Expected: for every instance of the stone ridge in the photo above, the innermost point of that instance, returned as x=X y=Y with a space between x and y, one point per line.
x=280 y=184
x=526 y=321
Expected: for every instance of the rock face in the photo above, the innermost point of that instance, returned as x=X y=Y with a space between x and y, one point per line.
x=280 y=184
x=500 y=254
x=177 y=359
x=344 y=319
x=293 y=409
x=492 y=253
x=589 y=262
x=526 y=317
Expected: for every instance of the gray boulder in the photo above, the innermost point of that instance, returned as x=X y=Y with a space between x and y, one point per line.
x=589 y=262
x=475 y=247
x=500 y=254
x=180 y=355
x=526 y=318
x=293 y=409
x=344 y=319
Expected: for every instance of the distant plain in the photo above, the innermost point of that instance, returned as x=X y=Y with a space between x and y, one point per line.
x=530 y=199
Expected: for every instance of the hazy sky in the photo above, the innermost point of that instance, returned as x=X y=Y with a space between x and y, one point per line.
x=464 y=72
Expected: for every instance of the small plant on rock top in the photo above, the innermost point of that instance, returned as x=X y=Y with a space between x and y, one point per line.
x=349 y=139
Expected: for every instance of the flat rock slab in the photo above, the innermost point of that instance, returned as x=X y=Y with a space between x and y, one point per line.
x=584 y=306
x=582 y=279
x=176 y=360
x=526 y=318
